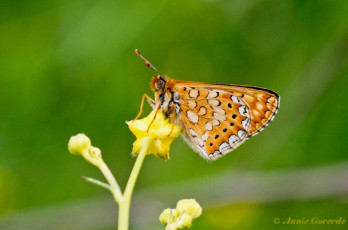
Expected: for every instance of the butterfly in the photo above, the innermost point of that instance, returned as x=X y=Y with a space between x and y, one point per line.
x=216 y=118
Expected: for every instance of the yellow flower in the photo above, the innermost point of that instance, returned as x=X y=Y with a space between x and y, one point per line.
x=158 y=133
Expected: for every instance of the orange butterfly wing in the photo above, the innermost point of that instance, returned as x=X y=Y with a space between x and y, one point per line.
x=218 y=118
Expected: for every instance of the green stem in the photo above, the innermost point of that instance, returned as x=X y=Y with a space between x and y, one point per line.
x=114 y=187
x=96 y=182
x=124 y=205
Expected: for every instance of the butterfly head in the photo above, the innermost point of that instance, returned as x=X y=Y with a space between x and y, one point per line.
x=158 y=83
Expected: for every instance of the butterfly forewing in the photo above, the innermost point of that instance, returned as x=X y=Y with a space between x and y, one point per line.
x=218 y=118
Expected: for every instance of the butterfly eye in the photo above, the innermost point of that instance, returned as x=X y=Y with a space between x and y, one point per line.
x=160 y=84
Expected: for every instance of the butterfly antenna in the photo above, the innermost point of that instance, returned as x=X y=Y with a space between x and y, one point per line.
x=147 y=63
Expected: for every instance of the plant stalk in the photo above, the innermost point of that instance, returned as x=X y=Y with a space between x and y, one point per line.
x=124 y=205
x=114 y=187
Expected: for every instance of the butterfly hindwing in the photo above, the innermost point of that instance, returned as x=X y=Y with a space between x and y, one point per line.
x=263 y=105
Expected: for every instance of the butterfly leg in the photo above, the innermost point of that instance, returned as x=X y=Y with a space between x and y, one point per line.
x=154 y=117
x=142 y=104
x=174 y=112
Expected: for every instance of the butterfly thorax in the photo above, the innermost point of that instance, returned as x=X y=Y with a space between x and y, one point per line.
x=165 y=96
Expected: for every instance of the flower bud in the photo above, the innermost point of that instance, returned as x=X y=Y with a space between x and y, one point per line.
x=168 y=216
x=94 y=156
x=190 y=207
x=79 y=144
x=94 y=152
x=165 y=215
x=185 y=221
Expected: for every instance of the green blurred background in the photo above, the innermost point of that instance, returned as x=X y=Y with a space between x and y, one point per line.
x=69 y=66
